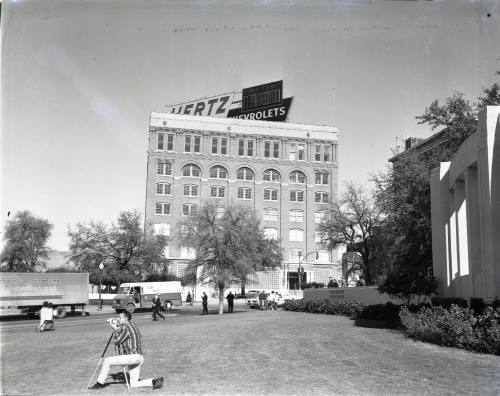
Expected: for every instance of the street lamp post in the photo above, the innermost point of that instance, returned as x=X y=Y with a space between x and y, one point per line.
x=101 y=267
x=300 y=270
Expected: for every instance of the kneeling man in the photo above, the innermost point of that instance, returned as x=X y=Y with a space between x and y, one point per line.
x=128 y=340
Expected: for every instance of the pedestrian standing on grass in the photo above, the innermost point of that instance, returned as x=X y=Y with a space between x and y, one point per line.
x=46 y=317
x=157 y=308
x=230 y=300
x=204 y=303
x=128 y=341
x=262 y=299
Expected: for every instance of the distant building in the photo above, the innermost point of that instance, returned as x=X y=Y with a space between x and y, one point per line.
x=419 y=147
x=351 y=270
x=465 y=198
x=287 y=173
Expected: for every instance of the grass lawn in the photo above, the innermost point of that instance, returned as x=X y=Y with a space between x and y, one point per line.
x=248 y=352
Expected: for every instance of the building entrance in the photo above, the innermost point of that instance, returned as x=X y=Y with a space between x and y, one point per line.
x=293 y=280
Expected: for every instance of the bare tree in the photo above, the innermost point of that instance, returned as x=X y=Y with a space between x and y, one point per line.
x=353 y=222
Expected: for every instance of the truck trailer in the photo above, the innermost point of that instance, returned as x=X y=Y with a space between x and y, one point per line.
x=27 y=291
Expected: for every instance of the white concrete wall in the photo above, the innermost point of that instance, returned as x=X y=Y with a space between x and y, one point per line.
x=465 y=197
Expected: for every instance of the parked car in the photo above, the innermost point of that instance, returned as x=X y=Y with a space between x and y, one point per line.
x=252 y=299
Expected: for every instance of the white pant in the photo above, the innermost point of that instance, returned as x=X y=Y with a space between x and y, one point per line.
x=133 y=363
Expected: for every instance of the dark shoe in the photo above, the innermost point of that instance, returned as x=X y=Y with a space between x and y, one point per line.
x=158 y=383
x=97 y=386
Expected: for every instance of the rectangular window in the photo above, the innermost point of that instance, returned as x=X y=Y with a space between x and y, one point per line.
x=163 y=188
x=191 y=190
x=317 y=152
x=162 y=229
x=267 y=149
x=215 y=144
x=297 y=216
x=292 y=152
x=295 y=255
x=301 y=152
x=271 y=214
x=244 y=193
x=162 y=208
x=321 y=197
x=164 y=169
x=187 y=144
x=296 y=235
x=321 y=178
x=270 y=194
x=297 y=196
x=217 y=192
x=188 y=252
x=161 y=138
x=276 y=150
x=250 y=148
x=170 y=142
x=197 y=140
x=241 y=147
x=223 y=146
x=317 y=237
x=326 y=153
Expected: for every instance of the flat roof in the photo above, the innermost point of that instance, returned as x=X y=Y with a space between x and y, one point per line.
x=242 y=126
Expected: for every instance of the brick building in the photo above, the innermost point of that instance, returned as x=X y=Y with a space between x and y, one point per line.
x=287 y=173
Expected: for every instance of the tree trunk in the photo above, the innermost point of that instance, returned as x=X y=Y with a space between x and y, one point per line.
x=221 y=300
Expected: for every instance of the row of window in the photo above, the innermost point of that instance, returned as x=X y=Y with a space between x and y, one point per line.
x=270 y=214
x=295 y=234
x=246 y=147
x=295 y=255
x=219 y=172
x=270 y=194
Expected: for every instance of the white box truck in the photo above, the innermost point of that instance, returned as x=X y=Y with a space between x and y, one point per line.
x=28 y=290
x=140 y=295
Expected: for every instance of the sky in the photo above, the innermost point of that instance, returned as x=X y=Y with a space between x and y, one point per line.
x=80 y=78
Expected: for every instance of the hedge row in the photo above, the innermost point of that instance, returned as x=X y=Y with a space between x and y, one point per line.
x=347 y=308
x=456 y=326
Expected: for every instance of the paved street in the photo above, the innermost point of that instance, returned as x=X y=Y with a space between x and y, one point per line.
x=277 y=352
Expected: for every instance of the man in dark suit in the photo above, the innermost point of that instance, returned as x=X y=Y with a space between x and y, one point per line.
x=204 y=303
x=157 y=307
x=230 y=298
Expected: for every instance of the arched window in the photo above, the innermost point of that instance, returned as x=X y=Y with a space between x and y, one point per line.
x=218 y=172
x=271 y=175
x=296 y=235
x=271 y=214
x=298 y=177
x=191 y=170
x=271 y=233
x=162 y=208
x=297 y=215
x=244 y=174
x=189 y=210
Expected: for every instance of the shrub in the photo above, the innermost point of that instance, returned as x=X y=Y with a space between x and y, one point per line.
x=347 y=308
x=456 y=326
x=447 y=302
x=388 y=312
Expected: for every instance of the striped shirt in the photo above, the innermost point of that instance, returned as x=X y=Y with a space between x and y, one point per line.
x=129 y=339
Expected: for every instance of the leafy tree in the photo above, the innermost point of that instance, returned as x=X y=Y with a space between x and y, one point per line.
x=408 y=284
x=127 y=252
x=404 y=190
x=353 y=222
x=26 y=239
x=228 y=248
